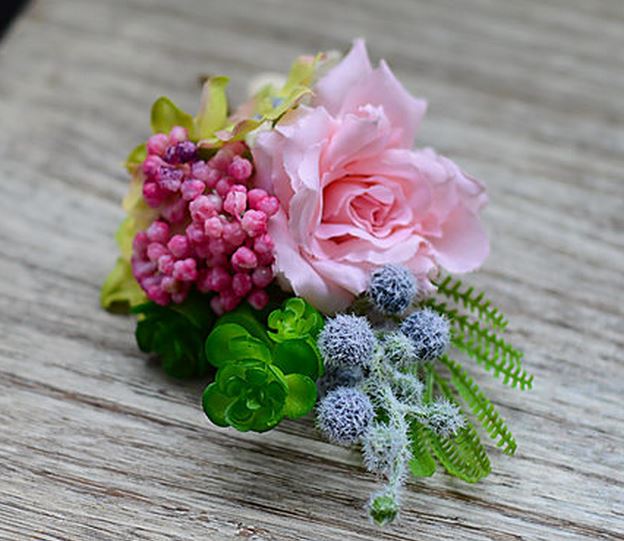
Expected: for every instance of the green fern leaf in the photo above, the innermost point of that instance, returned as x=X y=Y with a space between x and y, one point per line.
x=421 y=464
x=493 y=353
x=471 y=300
x=459 y=455
x=463 y=456
x=480 y=405
x=471 y=442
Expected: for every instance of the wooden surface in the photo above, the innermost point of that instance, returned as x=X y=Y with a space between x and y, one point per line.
x=96 y=444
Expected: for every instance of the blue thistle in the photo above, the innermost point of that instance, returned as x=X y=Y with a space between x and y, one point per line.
x=347 y=340
x=407 y=388
x=382 y=446
x=344 y=376
x=444 y=418
x=399 y=350
x=392 y=288
x=344 y=415
x=429 y=332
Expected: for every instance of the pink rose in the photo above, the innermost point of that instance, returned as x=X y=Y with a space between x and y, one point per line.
x=355 y=196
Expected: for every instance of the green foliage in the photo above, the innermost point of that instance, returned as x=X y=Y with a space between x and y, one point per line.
x=263 y=377
x=166 y=114
x=474 y=302
x=383 y=509
x=176 y=334
x=421 y=463
x=475 y=333
x=481 y=406
x=485 y=346
x=247 y=395
x=212 y=110
x=463 y=456
x=296 y=319
x=494 y=354
x=120 y=290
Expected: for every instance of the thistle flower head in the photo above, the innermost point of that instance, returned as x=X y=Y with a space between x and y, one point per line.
x=392 y=288
x=344 y=415
x=344 y=376
x=407 y=388
x=444 y=418
x=429 y=332
x=399 y=350
x=382 y=446
x=347 y=340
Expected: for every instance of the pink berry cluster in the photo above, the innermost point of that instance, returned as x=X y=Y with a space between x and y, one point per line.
x=211 y=232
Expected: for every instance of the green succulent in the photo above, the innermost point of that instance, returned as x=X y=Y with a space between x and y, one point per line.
x=296 y=319
x=247 y=395
x=261 y=380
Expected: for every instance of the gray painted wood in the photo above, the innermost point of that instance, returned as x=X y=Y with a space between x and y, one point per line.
x=96 y=443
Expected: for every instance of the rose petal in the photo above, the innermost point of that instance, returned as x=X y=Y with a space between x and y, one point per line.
x=304 y=280
x=332 y=89
x=463 y=245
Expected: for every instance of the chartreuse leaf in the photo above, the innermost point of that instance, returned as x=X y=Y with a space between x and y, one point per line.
x=297 y=356
x=212 y=110
x=136 y=157
x=301 y=73
x=301 y=395
x=120 y=289
x=166 y=114
x=229 y=342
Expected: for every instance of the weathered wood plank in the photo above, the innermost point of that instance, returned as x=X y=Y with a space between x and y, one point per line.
x=95 y=443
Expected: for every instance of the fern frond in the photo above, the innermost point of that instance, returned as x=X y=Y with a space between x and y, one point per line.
x=471 y=300
x=472 y=440
x=463 y=456
x=480 y=405
x=493 y=353
x=421 y=463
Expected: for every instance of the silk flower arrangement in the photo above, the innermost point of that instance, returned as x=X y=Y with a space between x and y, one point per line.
x=300 y=255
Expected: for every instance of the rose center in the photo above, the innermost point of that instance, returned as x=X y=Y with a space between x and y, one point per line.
x=370 y=209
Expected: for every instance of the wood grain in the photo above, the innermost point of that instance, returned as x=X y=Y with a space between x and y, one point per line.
x=96 y=444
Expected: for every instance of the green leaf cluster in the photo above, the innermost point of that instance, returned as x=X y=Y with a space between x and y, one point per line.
x=176 y=334
x=263 y=376
x=476 y=332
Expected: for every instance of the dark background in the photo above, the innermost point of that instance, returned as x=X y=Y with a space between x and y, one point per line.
x=8 y=10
